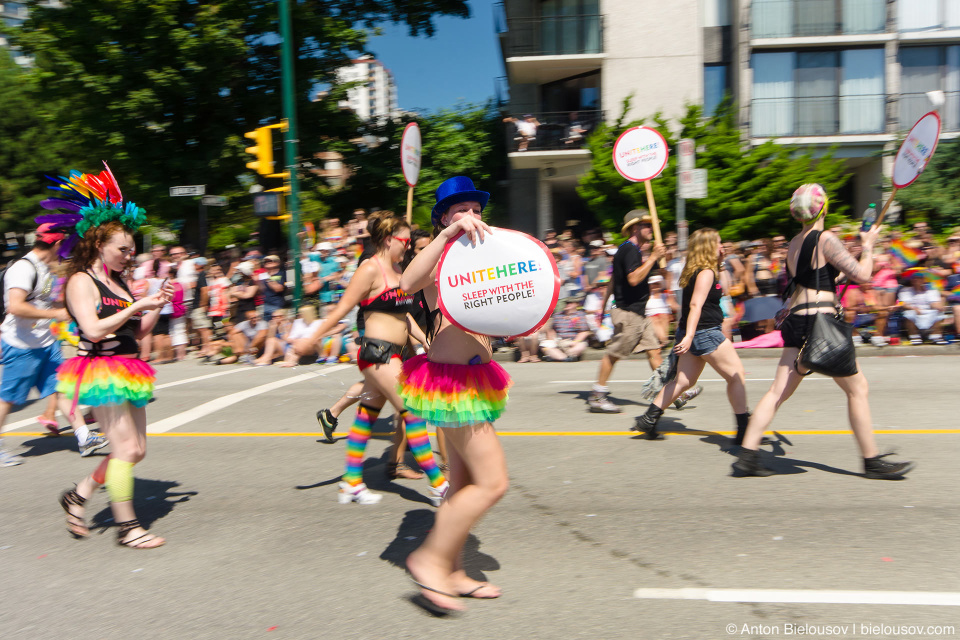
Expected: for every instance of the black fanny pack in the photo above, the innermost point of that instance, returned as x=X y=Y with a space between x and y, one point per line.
x=378 y=351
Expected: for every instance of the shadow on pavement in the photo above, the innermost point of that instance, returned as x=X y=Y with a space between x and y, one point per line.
x=52 y=444
x=585 y=395
x=411 y=533
x=152 y=500
x=375 y=478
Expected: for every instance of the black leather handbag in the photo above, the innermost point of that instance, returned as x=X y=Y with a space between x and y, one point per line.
x=829 y=348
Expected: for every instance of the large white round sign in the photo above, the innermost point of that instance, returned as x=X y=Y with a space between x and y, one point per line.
x=506 y=285
x=410 y=154
x=916 y=150
x=640 y=154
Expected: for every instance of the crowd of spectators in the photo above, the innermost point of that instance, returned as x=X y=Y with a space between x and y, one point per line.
x=235 y=306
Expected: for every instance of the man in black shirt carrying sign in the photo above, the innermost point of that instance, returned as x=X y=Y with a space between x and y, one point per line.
x=630 y=291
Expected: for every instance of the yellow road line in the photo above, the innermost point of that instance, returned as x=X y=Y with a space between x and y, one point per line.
x=522 y=434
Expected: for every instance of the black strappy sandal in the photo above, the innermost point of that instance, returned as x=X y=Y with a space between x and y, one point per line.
x=71 y=498
x=126 y=527
x=429 y=605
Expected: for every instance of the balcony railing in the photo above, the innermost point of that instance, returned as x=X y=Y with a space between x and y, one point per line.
x=914 y=105
x=552 y=36
x=798 y=18
x=817 y=116
x=556 y=131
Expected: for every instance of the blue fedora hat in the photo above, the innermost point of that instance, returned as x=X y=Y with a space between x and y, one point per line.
x=454 y=190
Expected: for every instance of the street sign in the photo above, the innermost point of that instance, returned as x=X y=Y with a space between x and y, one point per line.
x=693 y=184
x=214 y=201
x=267 y=203
x=188 y=190
x=687 y=154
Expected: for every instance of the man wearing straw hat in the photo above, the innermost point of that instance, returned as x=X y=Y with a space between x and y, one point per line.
x=630 y=290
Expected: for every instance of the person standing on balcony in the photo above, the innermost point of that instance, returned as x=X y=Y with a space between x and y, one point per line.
x=526 y=130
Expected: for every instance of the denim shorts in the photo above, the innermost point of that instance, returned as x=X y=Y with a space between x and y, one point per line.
x=24 y=369
x=705 y=341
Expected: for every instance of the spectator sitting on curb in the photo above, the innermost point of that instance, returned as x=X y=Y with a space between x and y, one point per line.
x=922 y=310
x=567 y=333
x=247 y=339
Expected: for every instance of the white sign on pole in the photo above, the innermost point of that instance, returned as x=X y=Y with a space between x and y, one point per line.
x=693 y=184
x=687 y=154
x=916 y=150
x=188 y=190
x=214 y=201
x=640 y=154
x=410 y=154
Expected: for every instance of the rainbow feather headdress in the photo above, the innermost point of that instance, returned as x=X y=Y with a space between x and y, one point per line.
x=86 y=201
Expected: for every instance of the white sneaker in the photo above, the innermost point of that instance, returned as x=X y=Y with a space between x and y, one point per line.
x=8 y=459
x=439 y=494
x=878 y=341
x=600 y=403
x=359 y=494
x=857 y=341
x=95 y=441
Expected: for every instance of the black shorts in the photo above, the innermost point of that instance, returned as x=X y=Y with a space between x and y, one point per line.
x=162 y=328
x=795 y=329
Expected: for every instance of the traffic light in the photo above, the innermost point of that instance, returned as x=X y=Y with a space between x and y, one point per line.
x=263 y=150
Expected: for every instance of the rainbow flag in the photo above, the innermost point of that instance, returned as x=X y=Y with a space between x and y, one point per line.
x=955 y=292
x=903 y=254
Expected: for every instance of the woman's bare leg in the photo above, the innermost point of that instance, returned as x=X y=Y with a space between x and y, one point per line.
x=726 y=362
x=858 y=410
x=785 y=382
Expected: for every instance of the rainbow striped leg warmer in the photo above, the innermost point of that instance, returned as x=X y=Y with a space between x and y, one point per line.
x=357 y=443
x=419 y=443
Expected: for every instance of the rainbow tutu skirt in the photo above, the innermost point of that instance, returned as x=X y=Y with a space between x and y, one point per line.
x=106 y=380
x=454 y=395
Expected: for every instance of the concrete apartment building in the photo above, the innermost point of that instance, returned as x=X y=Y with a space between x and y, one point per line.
x=13 y=14
x=377 y=96
x=845 y=74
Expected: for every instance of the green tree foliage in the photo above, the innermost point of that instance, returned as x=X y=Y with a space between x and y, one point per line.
x=165 y=90
x=748 y=188
x=935 y=196
x=30 y=144
x=464 y=141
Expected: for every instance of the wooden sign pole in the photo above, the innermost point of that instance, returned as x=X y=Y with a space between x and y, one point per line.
x=655 y=222
x=409 y=205
x=886 y=205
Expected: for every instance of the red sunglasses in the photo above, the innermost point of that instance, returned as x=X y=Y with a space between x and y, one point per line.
x=405 y=241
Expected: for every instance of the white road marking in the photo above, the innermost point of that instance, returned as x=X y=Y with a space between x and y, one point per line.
x=645 y=379
x=205 y=409
x=810 y=596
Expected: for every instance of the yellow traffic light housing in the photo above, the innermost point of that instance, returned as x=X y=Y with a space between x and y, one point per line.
x=263 y=150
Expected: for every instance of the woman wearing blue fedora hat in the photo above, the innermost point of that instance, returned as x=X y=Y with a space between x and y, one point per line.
x=460 y=390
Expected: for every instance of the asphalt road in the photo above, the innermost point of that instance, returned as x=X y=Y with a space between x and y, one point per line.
x=258 y=547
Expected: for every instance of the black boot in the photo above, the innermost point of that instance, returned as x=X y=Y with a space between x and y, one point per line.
x=742 y=420
x=647 y=423
x=879 y=469
x=748 y=464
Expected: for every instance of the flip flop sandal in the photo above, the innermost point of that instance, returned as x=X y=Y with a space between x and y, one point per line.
x=429 y=605
x=52 y=426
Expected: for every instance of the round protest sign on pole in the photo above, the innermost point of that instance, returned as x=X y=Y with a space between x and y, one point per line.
x=410 y=154
x=640 y=154
x=505 y=285
x=916 y=150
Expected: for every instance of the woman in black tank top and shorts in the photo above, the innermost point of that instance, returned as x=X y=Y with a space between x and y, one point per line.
x=814 y=260
x=387 y=325
x=699 y=339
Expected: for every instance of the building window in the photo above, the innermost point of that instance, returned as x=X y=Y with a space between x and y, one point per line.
x=714 y=87
x=792 y=18
x=814 y=93
x=920 y=15
x=570 y=27
x=581 y=93
x=924 y=69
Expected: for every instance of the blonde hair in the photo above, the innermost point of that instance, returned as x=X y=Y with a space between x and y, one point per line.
x=383 y=224
x=309 y=313
x=701 y=254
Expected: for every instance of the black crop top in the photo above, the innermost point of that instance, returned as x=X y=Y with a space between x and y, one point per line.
x=390 y=300
x=121 y=342
x=822 y=279
x=711 y=315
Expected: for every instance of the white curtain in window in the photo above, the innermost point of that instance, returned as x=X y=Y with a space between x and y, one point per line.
x=951 y=85
x=951 y=13
x=773 y=94
x=862 y=95
x=915 y=15
x=772 y=18
x=865 y=16
x=919 y=72
x=716 y=13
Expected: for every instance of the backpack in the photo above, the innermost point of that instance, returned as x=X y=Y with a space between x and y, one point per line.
x=3 y=274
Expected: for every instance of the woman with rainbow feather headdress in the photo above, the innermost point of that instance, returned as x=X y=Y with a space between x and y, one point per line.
x=106 y=374
x=459 y=389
